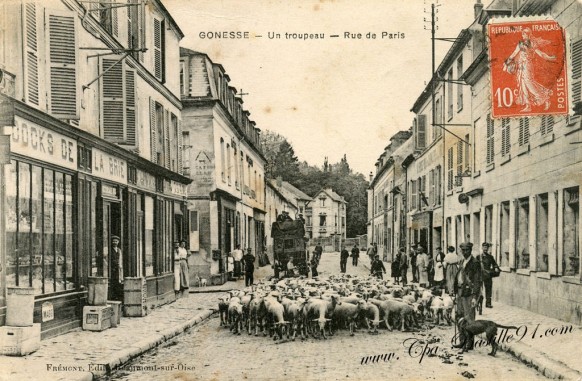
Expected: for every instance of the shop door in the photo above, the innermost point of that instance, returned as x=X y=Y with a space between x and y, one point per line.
x=111 y=226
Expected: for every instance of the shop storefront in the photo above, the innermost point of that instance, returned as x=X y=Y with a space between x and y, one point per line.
x=67 y=194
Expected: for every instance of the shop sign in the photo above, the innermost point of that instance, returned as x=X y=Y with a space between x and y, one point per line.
x=109 y=167
x=177 y=189
x=31 y=140
x=146 y=181
x=48 y=311
x=109 y=191
x=421 y=220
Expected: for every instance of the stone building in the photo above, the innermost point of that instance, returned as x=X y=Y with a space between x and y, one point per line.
x=222 y=155
x=91 y=108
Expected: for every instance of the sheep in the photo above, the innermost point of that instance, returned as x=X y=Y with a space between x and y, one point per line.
x=347 y=313
x=223 y=303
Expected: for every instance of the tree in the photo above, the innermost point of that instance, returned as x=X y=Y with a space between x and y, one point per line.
x=281 y=159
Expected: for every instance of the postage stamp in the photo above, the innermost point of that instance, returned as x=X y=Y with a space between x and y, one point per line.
x=528 y=68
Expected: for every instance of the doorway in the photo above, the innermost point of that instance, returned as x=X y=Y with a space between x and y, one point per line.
x=110 y=226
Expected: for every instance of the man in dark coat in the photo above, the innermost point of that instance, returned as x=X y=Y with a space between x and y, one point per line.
x=403 y=266
x=317 y=252
x=413 y=255
x=489 y=266
x=355 y=255
x=249 y=261
x=467 y=288
x=344 y=259
x=116 y=270
x=378 y=268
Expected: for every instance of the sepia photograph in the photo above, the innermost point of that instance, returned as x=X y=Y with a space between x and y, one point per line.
x=219 y=190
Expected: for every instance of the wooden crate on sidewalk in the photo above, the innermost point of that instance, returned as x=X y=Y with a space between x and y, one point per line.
x=135 y=297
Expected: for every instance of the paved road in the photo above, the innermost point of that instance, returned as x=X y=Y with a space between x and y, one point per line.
x=209 y=352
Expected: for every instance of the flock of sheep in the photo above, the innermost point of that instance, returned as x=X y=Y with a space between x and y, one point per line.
x=319 y=307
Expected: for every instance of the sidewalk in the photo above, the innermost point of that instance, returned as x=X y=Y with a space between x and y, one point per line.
x=86 y=355
x=556 y=354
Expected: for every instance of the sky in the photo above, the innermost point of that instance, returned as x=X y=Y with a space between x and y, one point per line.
x=330 y=96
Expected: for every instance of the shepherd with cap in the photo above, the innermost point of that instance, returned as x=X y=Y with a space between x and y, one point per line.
x=490 y=269
x=468 y=289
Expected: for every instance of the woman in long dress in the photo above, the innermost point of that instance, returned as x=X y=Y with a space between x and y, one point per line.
x=422 y=265
x=439 y=267
x=521 y=62
x=451 y=268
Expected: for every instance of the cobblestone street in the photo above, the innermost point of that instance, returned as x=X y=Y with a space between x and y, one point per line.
x=209 y=352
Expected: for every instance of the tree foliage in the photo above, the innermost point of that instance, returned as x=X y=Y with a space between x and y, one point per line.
x=311 y=179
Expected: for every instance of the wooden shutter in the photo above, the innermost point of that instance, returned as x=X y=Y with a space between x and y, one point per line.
x=505 y=138
x=112 y=100
x=523 y=138
x=576 y=63
x=421 y=131
x=490 y=132
x=114 y=22
x=153 y=130
x=130 y=108
x=181 y=147
x=62 y=64
x=31 y=53
x=167 y=156
x=158 y=49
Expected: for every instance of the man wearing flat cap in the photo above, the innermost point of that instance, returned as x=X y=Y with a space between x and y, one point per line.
x=489 y=269
x=116 y=270
x=467 y=288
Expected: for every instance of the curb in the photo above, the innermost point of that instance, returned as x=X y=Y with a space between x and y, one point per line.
x=108 y=364
x=548 y=367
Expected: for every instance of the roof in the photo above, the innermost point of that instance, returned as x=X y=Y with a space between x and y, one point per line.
x=169 y=16
x=279 y=193
x=289 y=190
x=334 y=196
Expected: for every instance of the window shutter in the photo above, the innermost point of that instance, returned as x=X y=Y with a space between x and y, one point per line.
x=505 y=138
x=524 y=131
x=153 y=129
x=421 y=131
x=181 y=147
x=114 y=22
x=31 y=51
x=450 y=169
x=167 y=158
x=576 y=63
x=62 y=64
x=158 y=49
x=130 y=108
x=112 y=100
x=490 y=144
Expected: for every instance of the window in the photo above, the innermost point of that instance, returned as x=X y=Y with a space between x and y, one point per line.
x=547 y=126
x=467 y=157
x=118 y=101
x=489 y=223
x=413 y=202
x=522 y=234
x=505 y=136
x=438 y=184
x=62 y=91
x=571 y=257
x=432 y=180
x=438 y=130
x=157 y=132
x=450 y=94
x=450 y=179
x=176 y=144
x=322 y=202
x=222 y=161
x=236 y=176
x=459 y=85
x=504 y=234
x=159 y=50
x=108 y=19
x=542 y=233
x=228 y=162
x=523 y=138
x=322 y=221
x=490 y=139
x=182 y=79
x=420 y=123
x=135 y=28
x=39 y=228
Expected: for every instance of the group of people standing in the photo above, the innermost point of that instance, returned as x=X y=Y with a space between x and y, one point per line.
x=239 y=262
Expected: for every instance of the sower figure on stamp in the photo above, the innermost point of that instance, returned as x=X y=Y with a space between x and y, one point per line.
x=467 y=288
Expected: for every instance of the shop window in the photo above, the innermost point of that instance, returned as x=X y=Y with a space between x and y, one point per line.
x=149 y=236
x=542 y=233
x=504 y=234
x=39 y=228
x=571 y=258
x=522 y=234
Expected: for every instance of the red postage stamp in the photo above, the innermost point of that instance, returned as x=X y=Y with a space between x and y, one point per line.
x=528 y=68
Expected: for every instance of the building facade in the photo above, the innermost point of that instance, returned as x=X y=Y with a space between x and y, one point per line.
x=326 y=216
x=226 y=200
x=91 y=109
x=386 y=196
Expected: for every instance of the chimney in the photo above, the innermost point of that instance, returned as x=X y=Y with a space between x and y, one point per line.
x=478 y=8
x=371 y=176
